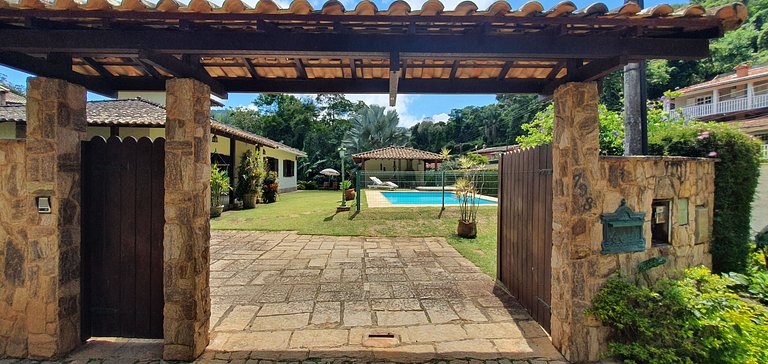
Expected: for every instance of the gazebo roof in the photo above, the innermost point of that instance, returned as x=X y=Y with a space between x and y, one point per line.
x=235 y=48
x=398 y=153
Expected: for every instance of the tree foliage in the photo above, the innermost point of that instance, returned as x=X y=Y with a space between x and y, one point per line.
x=374 y=127
x=696 y=319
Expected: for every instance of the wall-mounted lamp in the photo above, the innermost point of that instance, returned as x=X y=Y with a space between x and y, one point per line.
x=215 y=138
x=43 y=204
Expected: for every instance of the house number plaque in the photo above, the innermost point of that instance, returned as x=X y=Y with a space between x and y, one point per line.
x=623 y=231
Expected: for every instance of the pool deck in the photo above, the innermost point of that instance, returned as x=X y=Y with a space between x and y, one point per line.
x=376 y=199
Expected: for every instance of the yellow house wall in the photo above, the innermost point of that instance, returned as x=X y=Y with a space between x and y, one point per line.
x=7 y=130
x=389 y=165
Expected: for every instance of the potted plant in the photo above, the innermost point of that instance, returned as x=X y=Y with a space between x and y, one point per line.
x=466 y=194
x=349 y=191
x=270 y=187
x=219 y=186
x=251 y=174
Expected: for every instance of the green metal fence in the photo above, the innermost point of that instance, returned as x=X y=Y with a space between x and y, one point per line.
x=421 y=188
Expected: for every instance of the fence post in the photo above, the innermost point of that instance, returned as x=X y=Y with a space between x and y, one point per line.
x=442 y=184
x=357 y=188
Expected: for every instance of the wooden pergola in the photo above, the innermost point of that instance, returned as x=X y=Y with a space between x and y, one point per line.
x=195 y=50
x=266 y=49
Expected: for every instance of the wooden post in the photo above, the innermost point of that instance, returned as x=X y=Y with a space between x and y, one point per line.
x=232 y=171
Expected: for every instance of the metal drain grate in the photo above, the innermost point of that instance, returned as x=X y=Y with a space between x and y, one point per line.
x=381 y=336
x=381 y=339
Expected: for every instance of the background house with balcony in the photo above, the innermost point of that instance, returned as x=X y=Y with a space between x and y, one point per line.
x=740 y=98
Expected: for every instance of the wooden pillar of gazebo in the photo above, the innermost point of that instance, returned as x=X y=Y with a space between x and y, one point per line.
x=186 y=240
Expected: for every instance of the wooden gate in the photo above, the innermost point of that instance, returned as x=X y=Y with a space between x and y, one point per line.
x=122 y=237
x=525 y=228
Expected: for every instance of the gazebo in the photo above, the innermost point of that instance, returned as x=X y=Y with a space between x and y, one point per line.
x=195 y=50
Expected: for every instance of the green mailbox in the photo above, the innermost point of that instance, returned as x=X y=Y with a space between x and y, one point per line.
x=623 y=230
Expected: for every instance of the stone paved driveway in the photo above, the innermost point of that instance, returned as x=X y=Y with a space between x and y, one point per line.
x=282 y=296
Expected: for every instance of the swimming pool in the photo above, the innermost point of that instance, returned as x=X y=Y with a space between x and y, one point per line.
x=428 y=198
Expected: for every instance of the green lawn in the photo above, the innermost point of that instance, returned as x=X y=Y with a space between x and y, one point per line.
x=314 y=212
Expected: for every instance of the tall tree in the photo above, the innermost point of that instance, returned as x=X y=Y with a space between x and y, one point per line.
x=375 y=127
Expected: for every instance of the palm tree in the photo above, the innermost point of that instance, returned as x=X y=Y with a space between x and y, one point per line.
x=373 y=128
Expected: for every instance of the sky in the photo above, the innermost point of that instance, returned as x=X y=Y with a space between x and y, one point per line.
x=411 y=108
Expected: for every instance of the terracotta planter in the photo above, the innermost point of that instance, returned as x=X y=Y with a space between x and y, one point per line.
x=217 y=210
x=249 y=200
x=467 y=229
x=350 y=194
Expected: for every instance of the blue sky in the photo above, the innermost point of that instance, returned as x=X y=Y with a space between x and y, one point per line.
x=412 y=108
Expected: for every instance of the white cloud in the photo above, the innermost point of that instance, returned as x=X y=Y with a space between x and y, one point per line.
x=440 y=117
x=403 y=101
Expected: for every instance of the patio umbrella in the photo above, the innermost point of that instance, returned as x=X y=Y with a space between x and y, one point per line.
x=329 y=172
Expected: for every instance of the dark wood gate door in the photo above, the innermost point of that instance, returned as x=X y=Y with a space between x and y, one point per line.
x=122 y=244
x=525 y=229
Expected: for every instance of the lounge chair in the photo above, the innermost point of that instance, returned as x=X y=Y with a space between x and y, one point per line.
x=379 y=185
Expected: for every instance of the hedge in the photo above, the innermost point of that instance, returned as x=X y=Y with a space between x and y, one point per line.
x=736 y=177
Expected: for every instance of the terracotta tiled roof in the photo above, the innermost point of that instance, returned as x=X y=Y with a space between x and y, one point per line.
x=12 y=98
x=13 y=113
x=368 y=8
x=752 y=126
x=142 y=113
x=756 y=72
x=659 y=22
x=398 y=153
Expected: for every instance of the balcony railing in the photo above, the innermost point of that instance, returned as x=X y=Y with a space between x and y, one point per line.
x=725 y=106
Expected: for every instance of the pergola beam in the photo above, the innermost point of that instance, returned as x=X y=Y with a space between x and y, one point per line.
x=176 y=67
x=220 y=43
x=594 y=70
x=367 y=86
x=45 y=68
x=251 y=69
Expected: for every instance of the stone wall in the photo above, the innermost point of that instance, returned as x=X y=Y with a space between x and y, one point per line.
x=40 y=253
x=186 y=241
x=585 y=186
x=17 y=279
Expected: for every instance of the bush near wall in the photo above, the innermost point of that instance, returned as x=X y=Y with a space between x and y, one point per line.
x=735 y=181
x=696 y=319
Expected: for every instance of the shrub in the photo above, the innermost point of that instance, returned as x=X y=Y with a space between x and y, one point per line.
x=250 y=174
x=735 y=181
x=307 y=185
x=270 y=187
x=219 y=184
x=696 y=319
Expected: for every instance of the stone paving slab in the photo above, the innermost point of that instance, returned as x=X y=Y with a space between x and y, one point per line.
x=283 y=297
x=309 y=297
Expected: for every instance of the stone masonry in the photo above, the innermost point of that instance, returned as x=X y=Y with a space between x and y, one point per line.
x=40 y=253
x=585 y=186
x=186 y=241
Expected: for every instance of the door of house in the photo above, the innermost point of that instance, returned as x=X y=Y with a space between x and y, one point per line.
x=122 y=237
x=525 y=229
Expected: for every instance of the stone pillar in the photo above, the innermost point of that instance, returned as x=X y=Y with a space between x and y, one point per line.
x=575 y=161
x=186 y=241
x=40 y=285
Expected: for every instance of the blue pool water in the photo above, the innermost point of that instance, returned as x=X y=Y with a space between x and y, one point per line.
x=427 y=198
